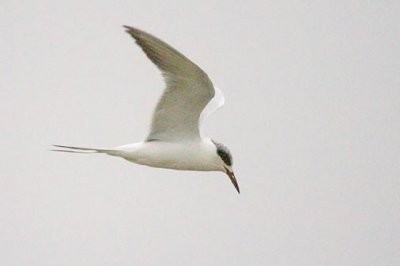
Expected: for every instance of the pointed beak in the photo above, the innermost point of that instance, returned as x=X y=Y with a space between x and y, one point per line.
x=233 y=179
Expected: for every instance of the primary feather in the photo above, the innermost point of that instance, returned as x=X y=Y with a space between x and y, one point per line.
x=188 y=91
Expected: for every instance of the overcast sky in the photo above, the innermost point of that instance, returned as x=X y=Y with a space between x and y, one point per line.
x=312 y=118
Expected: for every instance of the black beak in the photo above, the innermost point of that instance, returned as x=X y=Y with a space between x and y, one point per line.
x=233 y=179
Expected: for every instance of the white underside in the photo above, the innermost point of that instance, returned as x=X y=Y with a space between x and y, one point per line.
x=196 y=155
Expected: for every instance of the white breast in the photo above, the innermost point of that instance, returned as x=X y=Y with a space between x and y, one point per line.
x=199 y=156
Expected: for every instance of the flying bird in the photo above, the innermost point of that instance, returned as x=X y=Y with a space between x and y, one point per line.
x=176 y=140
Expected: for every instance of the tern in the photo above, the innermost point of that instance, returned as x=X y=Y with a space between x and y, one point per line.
x=176 y=140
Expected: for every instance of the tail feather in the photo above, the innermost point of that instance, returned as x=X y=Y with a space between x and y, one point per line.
x=84 y=152
x=72 y=149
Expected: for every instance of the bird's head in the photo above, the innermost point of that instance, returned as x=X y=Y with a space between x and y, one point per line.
x=226 y=162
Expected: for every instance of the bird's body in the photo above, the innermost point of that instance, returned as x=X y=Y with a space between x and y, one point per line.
x=199 y=155
x=175 y=140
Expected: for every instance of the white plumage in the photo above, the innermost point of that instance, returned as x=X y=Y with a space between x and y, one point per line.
x=175 y=140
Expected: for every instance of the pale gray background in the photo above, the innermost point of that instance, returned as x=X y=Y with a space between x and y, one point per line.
x=312 y=117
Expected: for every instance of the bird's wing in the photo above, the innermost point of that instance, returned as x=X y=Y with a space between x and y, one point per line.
x=188 y=91
x=216 y=102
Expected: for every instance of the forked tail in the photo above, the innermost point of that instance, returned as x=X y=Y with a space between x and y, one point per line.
x=71 y=149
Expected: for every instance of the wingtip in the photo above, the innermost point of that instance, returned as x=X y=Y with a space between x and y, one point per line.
x=131 y=30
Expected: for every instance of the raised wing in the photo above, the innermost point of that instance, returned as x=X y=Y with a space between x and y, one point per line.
x=188 y=91
x=216 y=102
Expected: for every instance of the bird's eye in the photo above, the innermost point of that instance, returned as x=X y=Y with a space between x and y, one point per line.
x=225 y=155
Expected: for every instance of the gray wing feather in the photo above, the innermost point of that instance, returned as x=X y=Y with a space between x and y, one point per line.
x=188 y=90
